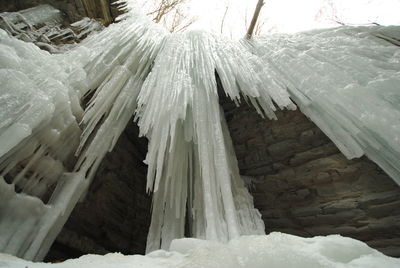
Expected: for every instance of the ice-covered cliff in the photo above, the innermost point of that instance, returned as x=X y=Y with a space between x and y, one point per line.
x=60 y=114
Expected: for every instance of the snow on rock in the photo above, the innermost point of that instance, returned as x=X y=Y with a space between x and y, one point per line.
x=276 y=250
x=43 y=26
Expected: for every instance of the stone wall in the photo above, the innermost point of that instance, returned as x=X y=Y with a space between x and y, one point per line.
x=304 y=186
x=115 y=215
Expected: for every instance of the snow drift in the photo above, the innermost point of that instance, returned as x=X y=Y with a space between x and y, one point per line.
x=276 y=250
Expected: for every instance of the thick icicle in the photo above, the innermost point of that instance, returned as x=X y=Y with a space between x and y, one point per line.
x=190 y=158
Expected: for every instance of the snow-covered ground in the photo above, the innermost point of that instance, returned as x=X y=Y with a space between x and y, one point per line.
x=272 y=251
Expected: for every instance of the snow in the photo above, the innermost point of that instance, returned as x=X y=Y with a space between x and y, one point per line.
x=277 y=250
x=346 y=80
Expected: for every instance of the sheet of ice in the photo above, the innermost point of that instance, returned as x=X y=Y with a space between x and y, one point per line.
x=276 y=250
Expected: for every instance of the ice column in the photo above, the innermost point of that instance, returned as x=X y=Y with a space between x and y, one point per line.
x=192 y=167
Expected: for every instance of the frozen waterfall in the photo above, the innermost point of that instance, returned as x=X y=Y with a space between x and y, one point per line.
x=61 y=113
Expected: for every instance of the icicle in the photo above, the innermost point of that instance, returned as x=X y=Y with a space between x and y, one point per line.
x=179 y=112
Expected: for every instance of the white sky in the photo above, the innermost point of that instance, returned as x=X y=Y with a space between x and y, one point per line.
x=289 y=15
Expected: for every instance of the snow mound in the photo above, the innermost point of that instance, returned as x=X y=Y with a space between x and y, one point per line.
x=276 y=250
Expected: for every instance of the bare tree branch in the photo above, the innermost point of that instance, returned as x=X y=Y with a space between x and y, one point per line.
x=254 y=19
x=259 y=27
x=223 y=18
x=170 y=14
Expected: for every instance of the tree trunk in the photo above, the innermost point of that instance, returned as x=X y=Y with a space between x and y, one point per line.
x=254 y=19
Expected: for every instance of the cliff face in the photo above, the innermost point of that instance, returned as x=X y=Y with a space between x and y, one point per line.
x=304 y=186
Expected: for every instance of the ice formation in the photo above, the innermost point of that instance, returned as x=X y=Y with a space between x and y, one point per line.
x=347 y=81
x=61 y=113
x=276 y=250
x=186 y=166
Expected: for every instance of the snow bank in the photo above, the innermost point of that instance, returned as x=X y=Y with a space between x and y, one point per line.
x=276 y=250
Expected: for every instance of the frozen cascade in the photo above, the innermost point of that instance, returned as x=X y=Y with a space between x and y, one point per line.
x=43 y=125
x=51 y=144
x=38 y=134
x=191 y=162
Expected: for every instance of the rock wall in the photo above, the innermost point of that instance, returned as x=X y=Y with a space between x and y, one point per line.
x=304 y=186
x=115 y=215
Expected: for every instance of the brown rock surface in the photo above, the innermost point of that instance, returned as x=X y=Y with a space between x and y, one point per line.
x=304 y=186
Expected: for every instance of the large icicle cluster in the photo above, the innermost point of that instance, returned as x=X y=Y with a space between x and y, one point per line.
x=42 y=122
x=38 y=133
x=192 y=168
x=60 y=114
x=347 y=80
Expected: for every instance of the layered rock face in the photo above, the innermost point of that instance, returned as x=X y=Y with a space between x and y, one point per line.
x=304 y=186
